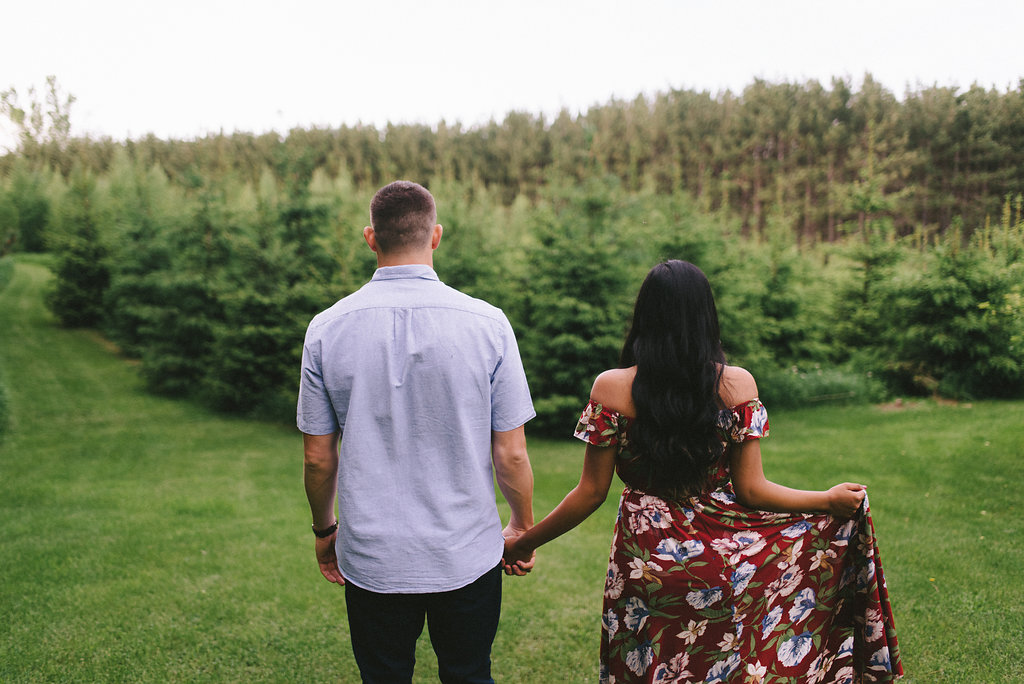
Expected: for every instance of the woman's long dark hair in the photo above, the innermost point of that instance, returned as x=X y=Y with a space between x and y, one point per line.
x=674 y=342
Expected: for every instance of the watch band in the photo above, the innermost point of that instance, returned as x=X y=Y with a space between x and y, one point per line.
x=326 y=532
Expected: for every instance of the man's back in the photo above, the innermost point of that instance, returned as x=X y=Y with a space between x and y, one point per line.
x=417 y=375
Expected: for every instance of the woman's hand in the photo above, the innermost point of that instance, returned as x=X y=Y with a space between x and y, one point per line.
x=516 y=561
x=845 y=499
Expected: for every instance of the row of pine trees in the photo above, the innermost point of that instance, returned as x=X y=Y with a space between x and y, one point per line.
x=860 y=246
x=829 y=159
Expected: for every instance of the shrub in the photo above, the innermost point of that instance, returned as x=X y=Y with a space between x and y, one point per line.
x=574 y=306
x=81 y=272
x=797 y=387
x=954 y=327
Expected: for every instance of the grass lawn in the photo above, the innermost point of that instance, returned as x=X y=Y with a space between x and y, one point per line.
x=145 y=540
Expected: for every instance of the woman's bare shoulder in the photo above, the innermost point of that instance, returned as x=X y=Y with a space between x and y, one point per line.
x=613 y=389
x=737 y=387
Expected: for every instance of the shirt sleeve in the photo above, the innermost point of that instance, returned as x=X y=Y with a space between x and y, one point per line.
x=598 y=426
x=314 y=413
x=511 y=405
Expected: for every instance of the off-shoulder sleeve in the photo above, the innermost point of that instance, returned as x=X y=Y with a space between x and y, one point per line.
x=744 y=421
x=598 y=426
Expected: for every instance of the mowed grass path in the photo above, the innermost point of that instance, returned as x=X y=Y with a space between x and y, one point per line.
x=145 y=540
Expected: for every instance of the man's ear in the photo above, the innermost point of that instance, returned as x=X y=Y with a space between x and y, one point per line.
x=435 y=237
x=370 y=237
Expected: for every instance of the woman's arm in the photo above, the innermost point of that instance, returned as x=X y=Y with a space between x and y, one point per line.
x=754 y=490
x=584 y=499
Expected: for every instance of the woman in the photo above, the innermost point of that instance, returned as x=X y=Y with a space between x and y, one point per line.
x=716 y=574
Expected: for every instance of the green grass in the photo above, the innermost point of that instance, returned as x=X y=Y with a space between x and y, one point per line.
x=145 y=540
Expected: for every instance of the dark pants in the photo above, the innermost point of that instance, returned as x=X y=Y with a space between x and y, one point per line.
x=462 y=624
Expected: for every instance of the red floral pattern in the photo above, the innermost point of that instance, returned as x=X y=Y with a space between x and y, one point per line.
x=707 y=590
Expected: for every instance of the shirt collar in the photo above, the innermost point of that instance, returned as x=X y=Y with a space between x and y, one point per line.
x=407 y=271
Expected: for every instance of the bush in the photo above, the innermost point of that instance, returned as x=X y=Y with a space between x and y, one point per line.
x=955 y=326
x=82 y=279
x=177 y=332
x=796 y=387
x=574 y=305
x=81 y=272
x=256 y=351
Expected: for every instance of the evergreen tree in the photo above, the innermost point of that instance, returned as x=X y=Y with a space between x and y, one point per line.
x=956 y=326
x=82 y=275
x=576 y=303
x=26 y=207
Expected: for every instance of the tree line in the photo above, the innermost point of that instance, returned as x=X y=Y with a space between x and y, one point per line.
x=829 y=158
x=205 y=259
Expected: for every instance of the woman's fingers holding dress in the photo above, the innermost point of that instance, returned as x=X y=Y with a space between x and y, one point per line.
x=845 y=499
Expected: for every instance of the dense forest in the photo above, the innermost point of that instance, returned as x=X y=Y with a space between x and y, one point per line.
x=860 y=245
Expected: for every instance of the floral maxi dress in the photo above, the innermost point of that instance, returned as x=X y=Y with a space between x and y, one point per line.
x=707 y=590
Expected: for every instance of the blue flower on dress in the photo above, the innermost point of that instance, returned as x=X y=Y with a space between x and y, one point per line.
x=640 y=658
x=758 y=422
x=649 y=512
x=866 y=575
x=721 y=670
x=771 y=621
x=671 y=550
x=845 y=649
x=844 y=676
x=804 y=603
x=874 y=628
x=674 y=671
x=795 y=649
x=747 y=538
x=796 y=529
x=880 y=660
x=843 y=534
x=848 y=572
x=636 y=613
x=610 y=623
x=743 y=543
x=723 y=497
x=702 y=598
x=741 y=577
x=688 y=513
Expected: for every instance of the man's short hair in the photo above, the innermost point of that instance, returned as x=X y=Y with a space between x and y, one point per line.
x=403 y=215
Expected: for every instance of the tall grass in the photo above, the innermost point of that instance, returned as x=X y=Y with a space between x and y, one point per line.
x=144 y=540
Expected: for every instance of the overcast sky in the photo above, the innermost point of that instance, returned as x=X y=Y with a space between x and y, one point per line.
x=188 y=68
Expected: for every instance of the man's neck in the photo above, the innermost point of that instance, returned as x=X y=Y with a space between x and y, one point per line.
x=405 y=259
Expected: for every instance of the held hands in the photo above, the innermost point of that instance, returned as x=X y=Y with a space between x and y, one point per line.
x=516 y=561
x=845 y=499
x=327 y=558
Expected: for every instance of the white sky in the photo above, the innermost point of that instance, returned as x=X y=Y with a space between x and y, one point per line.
x=187 y=68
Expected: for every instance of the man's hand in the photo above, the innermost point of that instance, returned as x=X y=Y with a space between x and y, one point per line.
x=516 y=561
x=327 y=557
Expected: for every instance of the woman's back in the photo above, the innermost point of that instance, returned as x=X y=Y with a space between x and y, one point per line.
x=614 y=389
x=670 y=474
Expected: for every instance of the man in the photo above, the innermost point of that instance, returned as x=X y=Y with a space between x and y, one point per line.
x=410 y=392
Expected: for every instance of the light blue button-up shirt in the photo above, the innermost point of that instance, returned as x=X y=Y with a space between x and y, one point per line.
x=415 y=375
